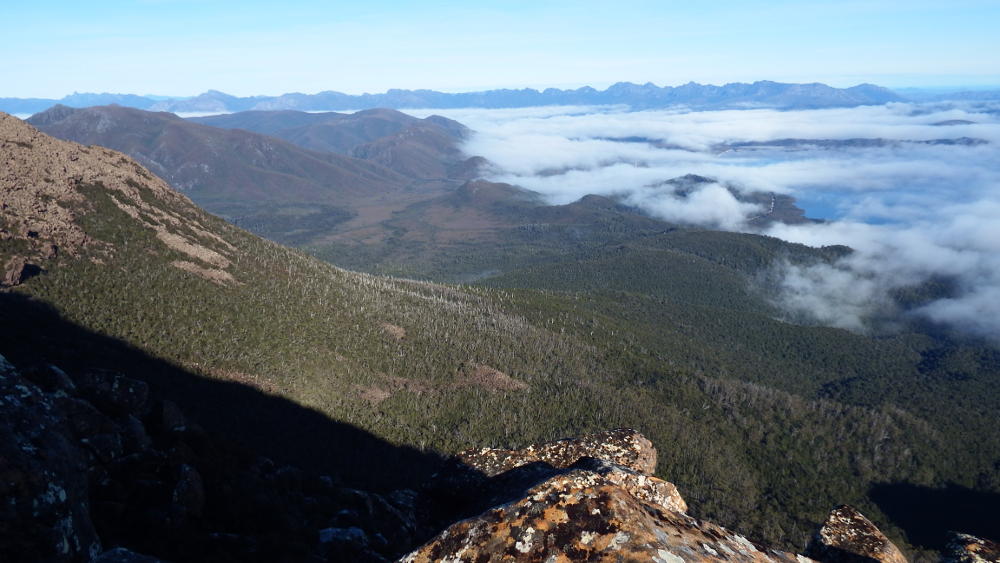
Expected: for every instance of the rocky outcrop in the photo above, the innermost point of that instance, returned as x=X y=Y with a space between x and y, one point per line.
x=13 y=271
x=593 y=499
x=93 y=467
x=847 y=536
x=48 y=187
x=623 y=447
x=43 y=478
x=964 y=548
x=585 y=509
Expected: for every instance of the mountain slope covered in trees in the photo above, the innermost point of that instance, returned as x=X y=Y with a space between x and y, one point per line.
x=103 y=244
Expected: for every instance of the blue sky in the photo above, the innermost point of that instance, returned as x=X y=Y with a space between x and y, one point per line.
x=183 y=47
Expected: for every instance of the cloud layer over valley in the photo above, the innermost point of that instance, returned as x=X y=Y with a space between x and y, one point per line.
x=914 y=189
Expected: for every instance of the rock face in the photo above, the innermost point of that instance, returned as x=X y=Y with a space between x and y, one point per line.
x=14 y=272
x=94 y=468
x=847 y=536
x=592 y=499
x=624 y=447
x=43 y=478
x=964 y=548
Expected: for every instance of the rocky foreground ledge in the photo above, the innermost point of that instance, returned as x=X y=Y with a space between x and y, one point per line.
x=94 y=468
x=594 y=499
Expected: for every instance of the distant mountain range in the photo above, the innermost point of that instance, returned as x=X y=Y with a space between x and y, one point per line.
x=763 y=93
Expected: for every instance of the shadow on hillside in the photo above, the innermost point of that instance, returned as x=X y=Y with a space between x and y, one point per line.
x=265 y=424
x=927 y=514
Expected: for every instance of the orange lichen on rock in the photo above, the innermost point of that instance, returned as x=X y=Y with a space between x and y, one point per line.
x=964 y=548
x=584 y=515
x=847 y=535
x=624 y=447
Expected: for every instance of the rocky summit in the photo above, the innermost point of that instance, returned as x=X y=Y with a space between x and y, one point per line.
x=593 y=499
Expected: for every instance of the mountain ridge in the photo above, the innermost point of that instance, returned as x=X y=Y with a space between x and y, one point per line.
x=274 y=186
x=763 y=93
x=420 y=148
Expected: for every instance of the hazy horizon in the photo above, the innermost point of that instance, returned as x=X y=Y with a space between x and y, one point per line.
x=928 y=89
x=185 y=47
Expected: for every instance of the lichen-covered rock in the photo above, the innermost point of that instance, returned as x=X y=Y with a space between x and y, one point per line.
x=643 y=487
x=623 y=446
x=85 y=462
x=964 y=548
x=848 y=537
x=43 y=478
x=604 y=513
x=15 y=272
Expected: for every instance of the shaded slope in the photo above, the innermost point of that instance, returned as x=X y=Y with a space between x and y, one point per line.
x=104 y=438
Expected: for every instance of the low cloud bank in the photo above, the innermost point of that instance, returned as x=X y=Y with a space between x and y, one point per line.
x=918 y=197
x=956 y=244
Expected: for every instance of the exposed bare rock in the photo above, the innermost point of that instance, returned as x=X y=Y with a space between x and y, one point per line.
x=214 y=275
x=624 y=447
x=847 y=536
x=964 y=548
x=14 y=272
x=43 y=478
x=114 y=392
x=601 y=513
x=47 y=185
x=643 y=487
x=39 y=185
x=89 y=461
x=50 y=378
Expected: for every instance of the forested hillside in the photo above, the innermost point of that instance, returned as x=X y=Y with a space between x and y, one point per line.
x=764 y=425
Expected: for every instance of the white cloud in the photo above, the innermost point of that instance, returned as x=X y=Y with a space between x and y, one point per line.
x=912 y=211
